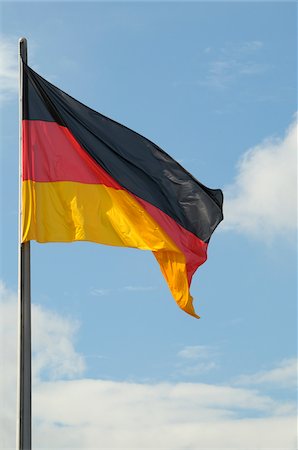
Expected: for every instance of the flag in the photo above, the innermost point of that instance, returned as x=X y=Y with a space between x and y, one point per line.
x=86 y=177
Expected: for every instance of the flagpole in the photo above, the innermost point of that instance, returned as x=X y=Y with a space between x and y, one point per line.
x=23 y=429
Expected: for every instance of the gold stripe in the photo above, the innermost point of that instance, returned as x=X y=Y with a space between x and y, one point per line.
x=69 y=211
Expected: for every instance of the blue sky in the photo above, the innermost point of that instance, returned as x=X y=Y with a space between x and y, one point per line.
x=214 y=85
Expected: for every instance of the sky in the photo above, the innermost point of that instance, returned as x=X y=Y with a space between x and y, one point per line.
x=116 y=364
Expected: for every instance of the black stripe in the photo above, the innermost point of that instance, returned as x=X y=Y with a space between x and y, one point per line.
x=136 y=163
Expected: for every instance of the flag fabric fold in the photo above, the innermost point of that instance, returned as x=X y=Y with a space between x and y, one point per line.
x=86 y=177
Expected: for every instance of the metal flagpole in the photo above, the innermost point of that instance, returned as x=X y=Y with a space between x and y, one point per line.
x=23 y=431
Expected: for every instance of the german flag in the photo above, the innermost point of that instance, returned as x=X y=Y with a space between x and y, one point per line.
x=86 y=177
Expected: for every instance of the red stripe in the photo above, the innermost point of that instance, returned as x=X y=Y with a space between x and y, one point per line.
x=51 y=153
x=194 y=249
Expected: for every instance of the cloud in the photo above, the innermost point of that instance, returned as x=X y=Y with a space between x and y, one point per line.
x=52 y=349
x=222 y=72
x=231 y=62
x=100 y=292
x=52 y=340
x=196 y=360
x=242 y=49
x=262 y=200
x=8 y=352
x=8 y=68
x=196 y=369
x=196 y=352
x=139 y=288
x=131 y=415
x=221 y=68
x=282 y=376
x=82 y=413
x=87 y=413
x=104 y=292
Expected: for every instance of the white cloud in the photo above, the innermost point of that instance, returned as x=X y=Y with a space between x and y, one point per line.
x=53 y=353
x=250 y=46
x=196 y=368
x=231 y=62
x=100 y=292
x=242 y=49
x=138 y=288
x=92 y=413
x=8 y=352
x=222 y=71
x=283 y=376
x=221 y=68
x=103 y=292
x=131 y=415
x=196 y=352
x=196 y=360
x=262 y=201
x=8 y=68
x=53 y=350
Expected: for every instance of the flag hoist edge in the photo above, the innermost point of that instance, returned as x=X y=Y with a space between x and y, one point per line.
x=86 y=177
